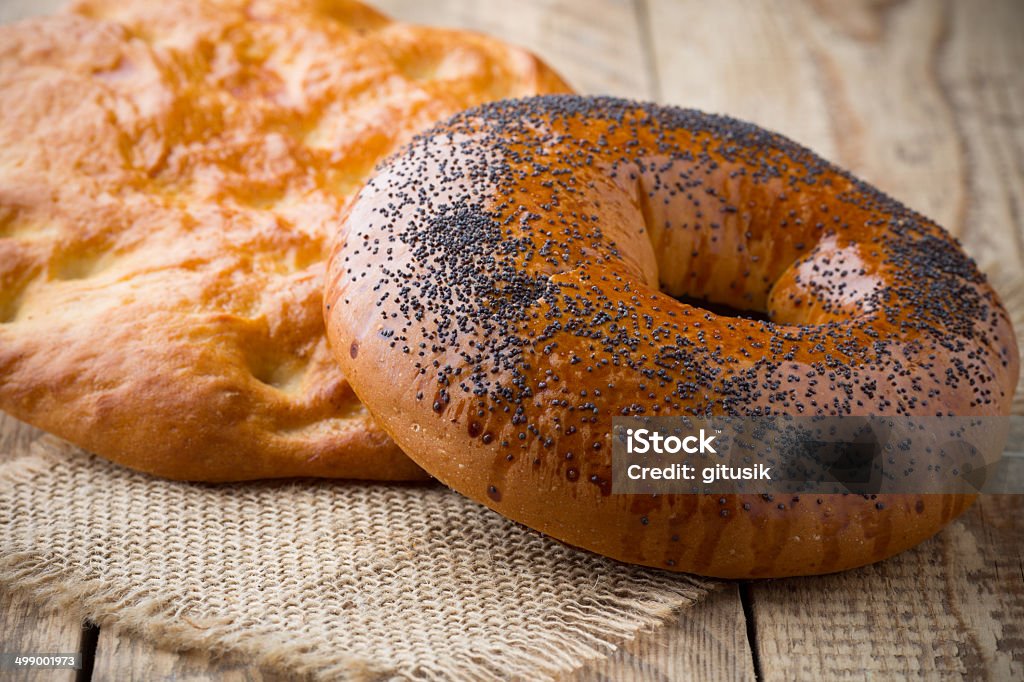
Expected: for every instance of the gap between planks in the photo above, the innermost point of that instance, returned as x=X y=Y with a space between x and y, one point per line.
x=958 y=165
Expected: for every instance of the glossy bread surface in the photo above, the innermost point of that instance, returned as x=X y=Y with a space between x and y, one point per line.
x=508 y=284
x=170 y=171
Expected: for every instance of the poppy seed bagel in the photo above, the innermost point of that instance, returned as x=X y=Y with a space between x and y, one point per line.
x=508 y=283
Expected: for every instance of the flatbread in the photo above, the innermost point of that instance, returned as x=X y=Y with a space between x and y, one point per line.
x=170 y=171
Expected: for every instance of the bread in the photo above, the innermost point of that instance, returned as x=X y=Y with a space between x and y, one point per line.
x=505 y=286
x=169 y=173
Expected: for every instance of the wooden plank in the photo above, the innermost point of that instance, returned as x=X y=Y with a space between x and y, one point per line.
x=128 y=657
x=921 y=98
x=597 y=45
x=16 y=437
x=600 y=47
x=739 y=58
x=912 y=99
x=855 y=85
x=26 y=628
x=925 y=100
x=953 y=606
x=979 y=71
x=707 y=642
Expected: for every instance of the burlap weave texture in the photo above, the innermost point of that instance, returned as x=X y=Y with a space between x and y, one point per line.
x=335 y=580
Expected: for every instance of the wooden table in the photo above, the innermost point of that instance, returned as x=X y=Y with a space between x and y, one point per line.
x=924 y=99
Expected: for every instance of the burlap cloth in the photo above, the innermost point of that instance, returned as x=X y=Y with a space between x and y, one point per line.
x=327 y=579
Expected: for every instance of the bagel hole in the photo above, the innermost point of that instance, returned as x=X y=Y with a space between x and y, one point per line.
x=724 y=309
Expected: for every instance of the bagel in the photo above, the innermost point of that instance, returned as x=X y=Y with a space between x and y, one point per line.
x=510 y=282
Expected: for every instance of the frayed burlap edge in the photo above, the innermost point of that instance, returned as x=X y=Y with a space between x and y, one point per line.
x=585 y=632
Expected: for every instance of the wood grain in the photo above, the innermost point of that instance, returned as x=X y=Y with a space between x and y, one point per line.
x=979 y=71
x=925 y=100
x=707 y=642
x=16 y=437
x=602 y=47
x=953 y=606
x=739 y=58
x=596 y=45
x=26 y=628
x=121 y=656
x=922 y=98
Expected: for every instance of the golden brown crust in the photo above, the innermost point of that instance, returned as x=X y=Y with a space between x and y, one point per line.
x=169 y=172
x=503 y=288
